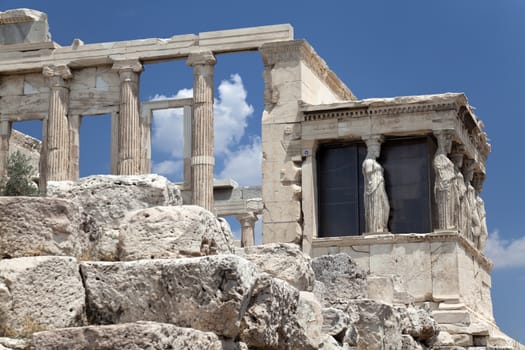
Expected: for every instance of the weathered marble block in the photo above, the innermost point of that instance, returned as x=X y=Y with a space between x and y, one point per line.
x=109 y=198
x=129 y=336
x=173 y=231
x=285 y=261
x=40 y=293
x=32 y=226
x=208 y=294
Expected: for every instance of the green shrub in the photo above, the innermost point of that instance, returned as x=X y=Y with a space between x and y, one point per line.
x=18 y=181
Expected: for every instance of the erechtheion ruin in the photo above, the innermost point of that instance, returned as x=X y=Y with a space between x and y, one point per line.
x=393 y=182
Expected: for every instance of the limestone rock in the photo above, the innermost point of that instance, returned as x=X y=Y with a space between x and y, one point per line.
x=272 y=321
x=418 y=323
x=14 y=343
x=342 y=279
x=109 y=198
x=208 y=293
x=335 y=322
x=310 y=319
x=39 y=293
x=129 y=336
x=285 y=261
x=409 y=343
x=378 y=325
x=175 y=231
x=34 y=226
x=329 y=343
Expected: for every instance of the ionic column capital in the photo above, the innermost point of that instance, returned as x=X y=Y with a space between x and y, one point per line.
x=57 y=75
x=247 y=219
x=201 y=58
x=444 y=139
x=128 y=69
x=373 y=145
x=375 y=139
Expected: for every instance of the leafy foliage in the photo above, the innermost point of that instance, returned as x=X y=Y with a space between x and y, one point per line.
x=18 y=181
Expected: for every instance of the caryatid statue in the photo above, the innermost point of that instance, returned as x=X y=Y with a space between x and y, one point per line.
x=478 y=185
x=377 y=208
x=444 y=186
x=474 y=224
x=460 y=191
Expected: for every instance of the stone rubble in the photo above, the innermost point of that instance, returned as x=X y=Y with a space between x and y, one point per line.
x=170 y=287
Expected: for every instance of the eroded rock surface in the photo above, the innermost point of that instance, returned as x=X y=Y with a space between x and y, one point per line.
x=207 y=294
x=172 y=231
x=107 y=199
x=129 y=336
x=32 y=226
x=39 y=293
x=285 y=261
x=341 y=280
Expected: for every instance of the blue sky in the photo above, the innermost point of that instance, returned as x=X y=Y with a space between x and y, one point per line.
x=378 y=48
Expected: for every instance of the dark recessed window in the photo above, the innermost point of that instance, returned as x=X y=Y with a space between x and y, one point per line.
x=408 y=180
x=340 y=189
x=407 y=168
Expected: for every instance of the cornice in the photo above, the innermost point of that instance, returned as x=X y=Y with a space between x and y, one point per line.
x=301 y=51
x=400 y=238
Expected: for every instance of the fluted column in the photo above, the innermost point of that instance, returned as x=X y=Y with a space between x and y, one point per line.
x=129 y=138
x=202 y=160
x=247 y=221
x=58 y=143
x=5 y=134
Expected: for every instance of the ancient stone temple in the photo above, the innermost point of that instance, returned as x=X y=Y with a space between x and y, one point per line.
x=393 y=183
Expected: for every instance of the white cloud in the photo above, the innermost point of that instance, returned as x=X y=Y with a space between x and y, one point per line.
x=167 y=132
x=505 y=253
x=169 y=168
x=231 y=112
x=230 y=119
x=244 y=165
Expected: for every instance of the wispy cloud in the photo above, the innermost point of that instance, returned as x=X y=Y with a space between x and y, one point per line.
x=244 y=165
x=231 y=112
x=505 y=253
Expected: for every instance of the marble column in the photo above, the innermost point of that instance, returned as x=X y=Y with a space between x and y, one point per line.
x=202 y=159
x=58 y=143
x=74 y=150
x=247 y=221
x=377 y=207
x=129 y=137
x=5 y=134
x=444 y=184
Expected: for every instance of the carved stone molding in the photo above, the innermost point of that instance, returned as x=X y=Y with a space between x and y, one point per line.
x=57 y=75
x=300 y=50
x=128 y=66
x=202 y=57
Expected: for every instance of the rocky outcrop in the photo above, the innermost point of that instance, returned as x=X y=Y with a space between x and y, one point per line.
x=107 y=199
x=207 y=294
x=39 y=293
x=32 y=226
x=130 y=336
x=175 y=231
x=338 y=279
x=285 y=261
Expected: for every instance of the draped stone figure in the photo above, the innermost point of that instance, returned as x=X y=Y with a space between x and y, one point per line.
x=377 y=208
x=444 y=186
x=480 y=204
x=473 y=222
x=460 y=192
